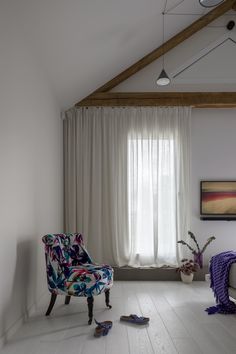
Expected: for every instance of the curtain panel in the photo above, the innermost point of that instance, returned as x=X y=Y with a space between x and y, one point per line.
x=127 y=182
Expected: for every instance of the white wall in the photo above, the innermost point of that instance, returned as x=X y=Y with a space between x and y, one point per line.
x=30 y=173
x=213 y=157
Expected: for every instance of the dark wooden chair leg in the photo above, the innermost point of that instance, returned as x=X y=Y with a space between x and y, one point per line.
x=107 y=298
x=67 y=300
x=52 y=302
x=90 y=309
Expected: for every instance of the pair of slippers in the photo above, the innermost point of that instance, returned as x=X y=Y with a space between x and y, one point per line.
x=103 y=328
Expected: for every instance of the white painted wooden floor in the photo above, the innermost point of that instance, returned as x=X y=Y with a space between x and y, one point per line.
x=178 y=323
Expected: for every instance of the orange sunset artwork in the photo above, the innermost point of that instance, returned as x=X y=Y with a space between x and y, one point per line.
x=218 y=198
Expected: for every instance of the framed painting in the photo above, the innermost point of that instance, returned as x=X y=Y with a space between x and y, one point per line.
x=218 y=198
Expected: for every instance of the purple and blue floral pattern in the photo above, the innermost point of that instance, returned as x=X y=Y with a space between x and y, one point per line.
x=70 y=269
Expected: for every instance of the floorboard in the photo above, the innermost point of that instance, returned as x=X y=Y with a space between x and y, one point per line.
x=178 y=323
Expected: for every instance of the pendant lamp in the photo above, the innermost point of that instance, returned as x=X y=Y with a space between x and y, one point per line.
x=210 y=3
x=163 y=79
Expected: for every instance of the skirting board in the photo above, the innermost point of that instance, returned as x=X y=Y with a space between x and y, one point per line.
x=19 y=322
x=163 y=274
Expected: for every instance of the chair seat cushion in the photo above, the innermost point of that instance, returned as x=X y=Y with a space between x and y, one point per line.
x=86 y=280
x=89 y=279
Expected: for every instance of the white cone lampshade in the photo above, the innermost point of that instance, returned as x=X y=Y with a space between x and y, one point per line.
x=163 y=79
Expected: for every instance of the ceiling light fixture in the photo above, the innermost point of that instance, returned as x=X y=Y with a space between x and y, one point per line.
x=163 y=78
x=210 y=3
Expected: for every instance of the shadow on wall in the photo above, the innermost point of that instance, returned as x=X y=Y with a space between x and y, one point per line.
x=23 y=293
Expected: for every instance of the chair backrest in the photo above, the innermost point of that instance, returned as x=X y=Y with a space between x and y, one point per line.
x=65 y=249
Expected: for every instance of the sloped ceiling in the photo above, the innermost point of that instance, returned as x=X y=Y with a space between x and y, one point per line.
x=199 y=64
x=213 y=65
x=83 y=43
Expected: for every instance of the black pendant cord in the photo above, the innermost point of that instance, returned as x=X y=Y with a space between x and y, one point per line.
x=163 y=38
x=173 y=7
x=163 y=35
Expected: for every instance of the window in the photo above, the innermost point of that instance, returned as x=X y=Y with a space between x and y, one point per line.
x=151 y=200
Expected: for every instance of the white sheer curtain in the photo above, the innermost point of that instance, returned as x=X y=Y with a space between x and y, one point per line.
x=158 y=177
x=127 y=182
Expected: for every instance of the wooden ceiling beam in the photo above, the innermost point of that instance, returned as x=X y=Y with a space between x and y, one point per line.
x=194 y=99
x=167 y=46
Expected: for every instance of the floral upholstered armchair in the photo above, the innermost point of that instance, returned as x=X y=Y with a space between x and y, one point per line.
x=71 y=271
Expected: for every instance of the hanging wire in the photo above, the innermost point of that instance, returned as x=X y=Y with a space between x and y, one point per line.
x=167 y=12
x=163 y=34
x=174 y=6
x=163 y=38
x=184 y=14
x=164 y=11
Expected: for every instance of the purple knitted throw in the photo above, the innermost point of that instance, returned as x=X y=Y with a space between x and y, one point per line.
x=219 y=273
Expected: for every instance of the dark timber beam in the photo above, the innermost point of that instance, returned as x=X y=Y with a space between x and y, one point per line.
x=194 y=99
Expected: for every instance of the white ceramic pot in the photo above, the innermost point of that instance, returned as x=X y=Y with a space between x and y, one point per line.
x=187 y=279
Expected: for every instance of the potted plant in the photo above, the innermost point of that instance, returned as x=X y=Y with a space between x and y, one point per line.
x=197 y=251
x=187 y=270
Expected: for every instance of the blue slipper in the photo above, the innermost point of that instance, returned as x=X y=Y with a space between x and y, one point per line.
x=135 y=319
x=102 y=328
